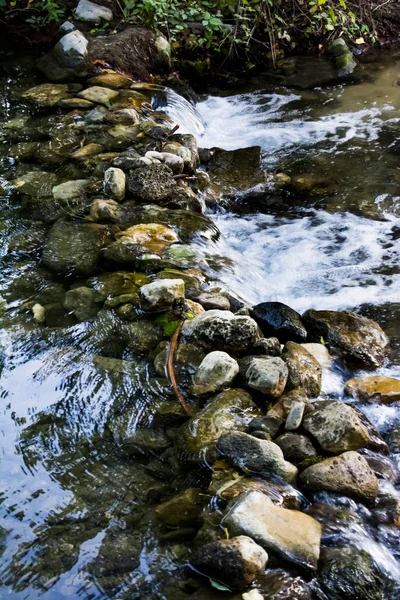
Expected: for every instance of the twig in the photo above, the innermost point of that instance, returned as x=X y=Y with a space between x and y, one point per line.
x=171 y=370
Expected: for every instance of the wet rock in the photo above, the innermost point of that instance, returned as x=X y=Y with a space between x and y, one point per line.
x=47 y=94
x=71 y=50
x=125 y=116
x=104 y=210
x=295 y=416
x=288 y=533
x=221 y=330
x=92 y=13
x=347 y=474
x=161 y=295
x=266 y=374
x=342 y=57
x=185 y=199
x=183 y=509
x=143 y=336
x=266 y=347
x=394 y=440
x=374 y=389
x=188 y=142
x=109 y=285
x=304 y=370
x=320 y=353
x=70 y=189
x=74 y=247
x=152 y=237
x=217 y=371
x=231 y=409
x=151 y=184
x=213 y=301
x=255 y=456
x=39 y=313
x=281 y=321
x=237 y=169
x=98 y=95
x=228 y=486
x=115 y=81
x=295 y=447
x=36 y=183
x=357 y=338
x=269 y=424
x=81 y=302
x=114 y=183
x=310 y=184
x=337 y=428
x=128 y=160
x=174 y=162
x=349 y=573
x=87 y=151
x=78 y=103
x=235 y=562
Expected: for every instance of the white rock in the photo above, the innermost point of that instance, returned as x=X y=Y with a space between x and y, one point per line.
x=114 y=183
x=160 y=295
x=320 y=353
x=72 y=49
x=215 y=372
x=39 y=313
x=92 y=13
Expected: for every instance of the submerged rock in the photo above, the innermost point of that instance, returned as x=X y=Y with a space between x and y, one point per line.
x=237 y=169
x=288 y=533
x=82 y=302
x=216 y=371
x=255 y=456
x=374 y=389
x=357 y=338
x=281 y=321
x=47 y=94
x=182 y=510
x=337 y=428
x=347 y=474
x=221 y=330
x=266 y=374
x=38 y=184
x=161 y=295
x=235 y=562
x=304 y=370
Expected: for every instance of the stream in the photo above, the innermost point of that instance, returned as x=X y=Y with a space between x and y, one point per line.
x=77 y=515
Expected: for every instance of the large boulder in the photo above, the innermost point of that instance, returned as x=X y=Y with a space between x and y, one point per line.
x=265 y=374
x=153 y=183
x=221 y=330
x=237 y=169
x=160 y=295
x=342 y=57
x=47 y=94
x=304 y=370
x=70 y=51
x=279 y=320
x=374 y=388
x=357 y=338
x=256 y=456
x=235 y=562
x=288 y=533
x=216 y=371
x=75 y=248
x=337 y=428
x=231 y=409
x=347 y=474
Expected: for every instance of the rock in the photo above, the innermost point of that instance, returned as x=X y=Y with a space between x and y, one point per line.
x=217 y=371
x=213 y=301
x=87 y=151
x=143 y=336
x=231 y=409
x=126 y=116
x=295 y=447
x=75 y=248
x=115 y=81
x=281 y=321
x=357 y=338
x=151 y=184
x=342 y=57
x=72 y=49
x=70 y=189
x=228 y=486
x=182 y=510
x=92 y=13
x=310 y=184
x=266 y=347
x=104 y=210
x=349 y=573
x=295 y=416
x=39 y=313
x=161 y=295
x=288 y=533
x=394 y=440
x=337 y=428
x=152 y=237
x=320 y=353
x=255 y=456
x=266 y=374
x=304 y=370
x=66 y=27
x=98 y=95
x=163 y=47
x=81 y=302
x=347 y=474
x=221 y=330
x=109 y=285
x=78 y=103
x=47 y=94
x=235 y=562
x=36 y=183
x=269 y=424
x=114 y=183
x=174 y=162
x=374 y=389
x=237 y=169
x=188 y=142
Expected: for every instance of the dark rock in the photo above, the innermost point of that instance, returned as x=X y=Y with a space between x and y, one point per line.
x=237 y=169
x=295 y=447
x=183 y=509
x=266 y=347
x=281 y=321
x=221 y=330
x=151 y=184
x=265 y=374
x=269 y=424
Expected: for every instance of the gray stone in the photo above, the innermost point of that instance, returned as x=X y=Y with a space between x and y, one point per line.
x=66 y=27
x=304 y=370
x=255 y=456
x=295 y=447
x=295 y=416
x=92 y=13
x=266 y=347
x=114 y=183
x=213 y=301
x=82 y=303
x=143 y=336
x=217 y=371
x=36 y=183
x=221 y=330
x=266 y=374
x=342 y=57
x=337 y=428
x=70 y=189
x=47 y=94
x=107 y=210
x=160 y=295
x=235 y=562
x=269 y=424
x=347 y=474
x=71 y=50
x=98 y=94
x=288 y=533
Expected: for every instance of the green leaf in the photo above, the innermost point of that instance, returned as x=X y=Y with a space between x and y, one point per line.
x=219 y=586
x=169 y=326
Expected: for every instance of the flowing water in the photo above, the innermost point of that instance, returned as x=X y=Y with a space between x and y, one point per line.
x=78 y=513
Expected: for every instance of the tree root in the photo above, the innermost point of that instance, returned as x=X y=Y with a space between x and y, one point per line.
x=171 y=370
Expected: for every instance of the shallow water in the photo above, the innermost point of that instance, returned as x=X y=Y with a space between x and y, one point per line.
x=77 y=513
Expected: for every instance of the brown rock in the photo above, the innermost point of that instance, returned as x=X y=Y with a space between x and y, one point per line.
x=374 y=388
